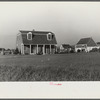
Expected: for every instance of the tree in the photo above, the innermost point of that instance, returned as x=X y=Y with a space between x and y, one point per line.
x=16 y=51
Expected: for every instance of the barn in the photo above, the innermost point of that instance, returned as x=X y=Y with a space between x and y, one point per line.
x=85 y=45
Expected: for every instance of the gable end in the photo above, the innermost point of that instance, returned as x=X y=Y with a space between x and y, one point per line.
x=91 y=42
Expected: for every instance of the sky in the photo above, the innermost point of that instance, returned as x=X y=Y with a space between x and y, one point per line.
x=69 y=21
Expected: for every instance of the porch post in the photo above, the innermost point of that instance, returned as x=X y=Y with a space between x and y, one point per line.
x=76 y=50
x=30 y=48
x=55 y=48
x=87 y=48
x=37 y=48
x=43 y=49
x=22 y=48
x=46 y=49
x=50 y=49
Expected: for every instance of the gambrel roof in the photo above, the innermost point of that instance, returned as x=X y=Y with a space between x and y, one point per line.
x=88 y=41
x=38 y=37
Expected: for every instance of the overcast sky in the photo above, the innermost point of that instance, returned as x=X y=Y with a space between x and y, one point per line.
x=70 y=21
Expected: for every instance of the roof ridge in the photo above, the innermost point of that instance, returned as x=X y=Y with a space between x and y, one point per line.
x=86 y=38
x=34 y=31
x=41 y=31
x=65 y=44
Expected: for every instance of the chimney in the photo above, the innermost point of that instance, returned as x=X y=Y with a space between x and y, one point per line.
x=33 y=30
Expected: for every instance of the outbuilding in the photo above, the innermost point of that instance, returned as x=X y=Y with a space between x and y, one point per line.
x=85 y=45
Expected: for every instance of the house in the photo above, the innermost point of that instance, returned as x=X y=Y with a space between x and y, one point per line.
x=36 y=42
x=85 y=45
x=7 y=52
x=65 y=48
x=2 y=50
x=98 y=44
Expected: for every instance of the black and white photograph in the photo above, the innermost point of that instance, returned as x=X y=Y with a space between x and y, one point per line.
x=49 y=50
x=49 y=41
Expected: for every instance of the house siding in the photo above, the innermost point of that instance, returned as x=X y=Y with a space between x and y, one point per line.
x=19 y=42
x=81 y=47
x=91 y=43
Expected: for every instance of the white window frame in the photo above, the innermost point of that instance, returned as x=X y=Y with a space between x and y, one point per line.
x=28 y=34
x=50 y=36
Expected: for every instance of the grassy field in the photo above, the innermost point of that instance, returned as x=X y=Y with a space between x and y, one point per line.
x=58 y=67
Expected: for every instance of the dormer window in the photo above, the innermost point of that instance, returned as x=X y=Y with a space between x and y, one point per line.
x=49 y=36
x=29 y=36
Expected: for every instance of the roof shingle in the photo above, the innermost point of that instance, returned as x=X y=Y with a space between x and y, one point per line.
x=88 y=41
x=38 y=37
x=66 y=46
x=84 y=41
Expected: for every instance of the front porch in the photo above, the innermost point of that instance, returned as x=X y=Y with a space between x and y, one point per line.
x=38 y=49
x=81 y=48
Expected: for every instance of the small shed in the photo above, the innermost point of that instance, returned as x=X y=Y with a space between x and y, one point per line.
x=65 y=48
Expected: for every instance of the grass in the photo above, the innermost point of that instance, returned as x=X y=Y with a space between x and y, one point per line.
x=58 y=67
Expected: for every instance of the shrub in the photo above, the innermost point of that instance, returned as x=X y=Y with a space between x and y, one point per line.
x=72 y=51
x=63 y=52
x=2 y=53
x=94 y=50
x=78 y=50
x=16 y=51
x=39 y=53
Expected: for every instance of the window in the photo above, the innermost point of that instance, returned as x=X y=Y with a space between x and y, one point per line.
x=29 y=36
x=49 y=36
